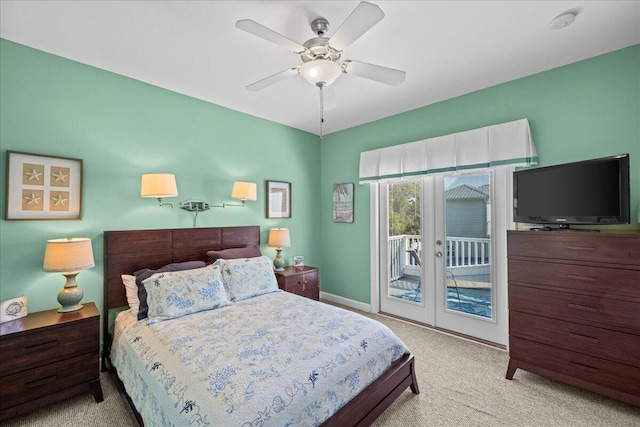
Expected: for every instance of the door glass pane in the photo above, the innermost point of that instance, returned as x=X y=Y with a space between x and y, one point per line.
x=404 y=241
x=467 y=248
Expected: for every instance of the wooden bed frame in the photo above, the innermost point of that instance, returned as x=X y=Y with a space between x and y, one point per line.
x=126 y=251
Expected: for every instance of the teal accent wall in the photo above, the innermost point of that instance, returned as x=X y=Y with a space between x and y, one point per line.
x=122 y=128
x=580 y=111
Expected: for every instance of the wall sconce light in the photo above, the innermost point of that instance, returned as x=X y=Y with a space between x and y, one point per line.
x=242 y=191
x=279 y=238
x=68 y=256
x=159 y=185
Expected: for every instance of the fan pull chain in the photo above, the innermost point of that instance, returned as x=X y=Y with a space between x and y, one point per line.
x=321 y=85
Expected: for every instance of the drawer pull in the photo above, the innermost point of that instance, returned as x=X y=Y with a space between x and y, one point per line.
x=41 y=381
x=581 y=248
x=583 y=337
x=582 y=278
x=42 y=345
x=582 y=307
x=582 y=365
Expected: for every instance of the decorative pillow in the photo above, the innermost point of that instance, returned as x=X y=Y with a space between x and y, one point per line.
x=248 y=277
x=145 y=273
x=178 y=293
x=131 y=288
x=246 y=252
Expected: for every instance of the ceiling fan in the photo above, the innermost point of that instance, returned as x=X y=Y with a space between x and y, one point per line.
x=321 y=55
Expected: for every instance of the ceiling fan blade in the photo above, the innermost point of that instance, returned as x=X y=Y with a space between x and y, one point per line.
x=263 y=32
x=377 y=73
x=363 y=17
x=268 y=81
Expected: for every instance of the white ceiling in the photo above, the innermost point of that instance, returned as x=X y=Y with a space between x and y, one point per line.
x=447 y=48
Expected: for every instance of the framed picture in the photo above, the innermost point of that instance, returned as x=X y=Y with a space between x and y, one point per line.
x=343 y=202
x=278 y=199
x=298 y=261
x=43 y=187
x=13 y=309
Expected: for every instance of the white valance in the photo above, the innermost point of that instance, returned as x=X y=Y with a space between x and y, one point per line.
x=492 y=146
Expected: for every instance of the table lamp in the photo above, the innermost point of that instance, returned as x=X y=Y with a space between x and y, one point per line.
x=68 y=256
x=279 y=238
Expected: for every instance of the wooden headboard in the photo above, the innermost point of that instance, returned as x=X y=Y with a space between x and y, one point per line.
x=126 y=251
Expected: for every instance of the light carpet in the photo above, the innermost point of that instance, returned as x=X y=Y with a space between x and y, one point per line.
x=461 y=383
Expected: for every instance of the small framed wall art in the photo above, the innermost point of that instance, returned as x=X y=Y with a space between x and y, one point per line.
x=43 y=187
x=278 y=199
x=12 y=309
x=343 y=202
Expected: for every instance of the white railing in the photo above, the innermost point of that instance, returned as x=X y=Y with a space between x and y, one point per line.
x=459 y=252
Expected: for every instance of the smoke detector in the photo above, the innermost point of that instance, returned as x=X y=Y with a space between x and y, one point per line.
x=562 y=21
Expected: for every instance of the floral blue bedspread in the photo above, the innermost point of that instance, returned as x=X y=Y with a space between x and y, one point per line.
x=273 y=360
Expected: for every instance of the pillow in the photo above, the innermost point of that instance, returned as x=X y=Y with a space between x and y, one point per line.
x=246 y=252
x=177 y=293
x=248 y=277
x=131 y=288
x=145 y=273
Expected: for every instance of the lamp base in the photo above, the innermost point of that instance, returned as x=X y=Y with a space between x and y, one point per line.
x=71 y=295
x=278 y=262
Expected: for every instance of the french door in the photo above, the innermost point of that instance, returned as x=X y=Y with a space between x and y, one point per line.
x=442 y=251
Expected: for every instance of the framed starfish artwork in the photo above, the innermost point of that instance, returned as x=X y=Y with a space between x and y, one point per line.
x=43 y=187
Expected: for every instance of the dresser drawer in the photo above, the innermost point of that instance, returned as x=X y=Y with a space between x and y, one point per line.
x=570 y=306
x=32 y=384
x=577 y=246
x=48 y=345
x=600 y=280
x=599 y=342
x=612 y=375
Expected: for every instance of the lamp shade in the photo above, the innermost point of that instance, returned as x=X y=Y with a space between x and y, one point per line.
x=320 y=71
x=158 y=185
x=279 y=237
x=70 y=254
x=244 y=190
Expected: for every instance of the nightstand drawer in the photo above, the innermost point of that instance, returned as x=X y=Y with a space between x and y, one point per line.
x=303 y=282
x=48 y=345
x=34 y=383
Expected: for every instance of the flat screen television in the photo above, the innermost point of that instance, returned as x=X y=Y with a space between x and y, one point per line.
x=587 y=192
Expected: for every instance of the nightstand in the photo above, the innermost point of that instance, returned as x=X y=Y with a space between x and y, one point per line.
x=49 y=356
x=302 y=281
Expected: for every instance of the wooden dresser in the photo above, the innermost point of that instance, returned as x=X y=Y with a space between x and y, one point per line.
x=302 y=281
x=574 y=309
x=49 y=356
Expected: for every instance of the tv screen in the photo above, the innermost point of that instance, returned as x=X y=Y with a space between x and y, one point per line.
x=587 y=192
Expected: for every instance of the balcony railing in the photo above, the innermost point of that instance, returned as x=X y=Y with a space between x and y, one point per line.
x=458 y=251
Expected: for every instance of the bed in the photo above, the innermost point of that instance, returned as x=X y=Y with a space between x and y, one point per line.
x=272 y=387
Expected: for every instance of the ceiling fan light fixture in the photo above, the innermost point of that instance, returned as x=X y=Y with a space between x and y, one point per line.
x=320 y=71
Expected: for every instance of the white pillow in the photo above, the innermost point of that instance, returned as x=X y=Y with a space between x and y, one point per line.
x=248 y=277
x=131 y=288
x=177 y=293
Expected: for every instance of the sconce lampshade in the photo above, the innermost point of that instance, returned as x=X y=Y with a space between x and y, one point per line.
x=68 y=256
x=279 y=238
x=320 y=71
x=244 y=190
x=158 y=185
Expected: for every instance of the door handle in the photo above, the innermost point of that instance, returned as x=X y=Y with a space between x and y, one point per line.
x=439 y=254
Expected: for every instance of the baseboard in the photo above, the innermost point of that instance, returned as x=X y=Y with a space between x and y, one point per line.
x=357 y=305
